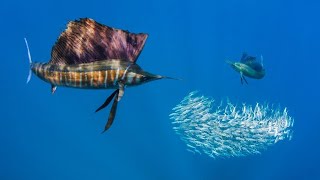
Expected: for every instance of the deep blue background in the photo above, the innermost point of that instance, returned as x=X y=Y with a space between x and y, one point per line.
x=46 y=136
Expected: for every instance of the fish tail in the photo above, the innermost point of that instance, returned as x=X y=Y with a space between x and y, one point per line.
x=30 y=60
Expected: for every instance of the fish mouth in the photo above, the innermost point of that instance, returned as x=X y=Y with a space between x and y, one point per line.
x=233 y=65
x=150 y=77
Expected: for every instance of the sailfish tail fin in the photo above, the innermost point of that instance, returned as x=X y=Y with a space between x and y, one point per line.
x=30 y=60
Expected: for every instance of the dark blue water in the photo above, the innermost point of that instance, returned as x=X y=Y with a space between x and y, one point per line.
x=46 y=136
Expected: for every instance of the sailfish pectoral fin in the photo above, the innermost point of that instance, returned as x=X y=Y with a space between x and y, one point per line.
x=242 y=78
x=53 y=89
x=108 y=100
x=112 y=114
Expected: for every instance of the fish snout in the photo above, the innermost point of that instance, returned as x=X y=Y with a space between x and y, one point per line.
x=150 y=77
x=234 y=65
x=238 y=67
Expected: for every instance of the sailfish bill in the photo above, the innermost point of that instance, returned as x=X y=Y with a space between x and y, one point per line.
x=90 y=55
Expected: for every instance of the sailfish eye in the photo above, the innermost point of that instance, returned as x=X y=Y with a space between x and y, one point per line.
x=144 y=78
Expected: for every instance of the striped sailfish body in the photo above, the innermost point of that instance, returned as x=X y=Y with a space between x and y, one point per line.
x=90 y=55
x=96 y=75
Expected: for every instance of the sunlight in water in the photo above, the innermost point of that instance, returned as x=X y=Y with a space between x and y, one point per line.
x=227 y=130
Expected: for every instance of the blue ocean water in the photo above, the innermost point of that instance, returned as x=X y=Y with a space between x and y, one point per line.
x=46 y=136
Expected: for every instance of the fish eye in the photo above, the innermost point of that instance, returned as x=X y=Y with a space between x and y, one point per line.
x=144 y=78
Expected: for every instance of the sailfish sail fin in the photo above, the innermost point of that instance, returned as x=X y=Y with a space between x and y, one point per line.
x=86 y=41
x=244 y=56
x=252 y=62
x=247 y=59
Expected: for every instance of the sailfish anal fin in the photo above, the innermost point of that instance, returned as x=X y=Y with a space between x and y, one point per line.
x=86 y=41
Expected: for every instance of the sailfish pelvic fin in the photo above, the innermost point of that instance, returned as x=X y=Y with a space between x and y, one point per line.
x=113 y=112
x=243 y=78
x=108 y=100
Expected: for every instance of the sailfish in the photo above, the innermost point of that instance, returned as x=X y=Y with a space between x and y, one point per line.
x=249 y=67
x=90 y=55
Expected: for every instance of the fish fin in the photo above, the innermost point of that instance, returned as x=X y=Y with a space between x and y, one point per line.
x=30 y=60
x=29 y=76
x=112 y=114
x=252 y=62
x=255 y=65
x=245 y=80
x=247 y=59
x=86 y=41
x=108 y=100
x=53 y=88
x=242 y=78
x=244 y=56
